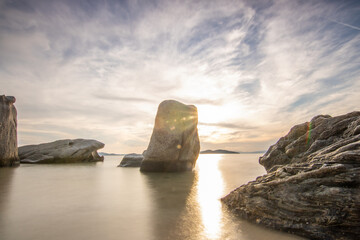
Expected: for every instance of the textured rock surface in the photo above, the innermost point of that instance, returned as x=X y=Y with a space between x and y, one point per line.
x=306 y=140
x=174 y=144
x=62 y=151
x=8 y=133
x=131 y=160
x=313 y=183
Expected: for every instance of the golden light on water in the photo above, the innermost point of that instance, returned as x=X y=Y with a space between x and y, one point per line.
x=210 y=189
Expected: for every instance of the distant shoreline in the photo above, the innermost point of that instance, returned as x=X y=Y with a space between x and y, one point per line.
x=218 y=151
x=222 y=151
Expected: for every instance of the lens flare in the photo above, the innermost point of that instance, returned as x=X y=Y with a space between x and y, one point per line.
x=308 y=136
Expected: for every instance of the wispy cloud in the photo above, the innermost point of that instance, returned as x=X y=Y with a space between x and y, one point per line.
x=228 y=125
x=347 y=25
x=99 y=69
x=118 y=98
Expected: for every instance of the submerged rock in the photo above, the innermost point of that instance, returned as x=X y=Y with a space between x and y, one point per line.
x=62 y=151
x=312 y=187
x=8 y=133
x=131 y=160
x=174 y=144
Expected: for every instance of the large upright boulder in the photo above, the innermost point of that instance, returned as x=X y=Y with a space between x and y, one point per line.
x=8 y=134
x=174 y=144
x=312 y=187
x=62 y=151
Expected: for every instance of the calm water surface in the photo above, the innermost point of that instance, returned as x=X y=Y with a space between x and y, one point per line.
x=102 y=201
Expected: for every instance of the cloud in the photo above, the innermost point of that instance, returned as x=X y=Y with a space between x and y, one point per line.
x=303 y=58
x=201 y=101
x=227 y=125
x=99 y=69
x=347 y=25
x=122 y=99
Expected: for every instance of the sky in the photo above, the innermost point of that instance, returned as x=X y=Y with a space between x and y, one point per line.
x=99 y=69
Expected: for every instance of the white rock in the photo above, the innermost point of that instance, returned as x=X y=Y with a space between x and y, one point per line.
x=62 y=151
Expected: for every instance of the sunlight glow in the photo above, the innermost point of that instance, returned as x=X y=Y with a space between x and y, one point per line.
x=210 y=189
x=215 y=121
x=212 y=114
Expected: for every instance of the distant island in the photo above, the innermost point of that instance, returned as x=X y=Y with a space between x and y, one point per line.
x=222 y=151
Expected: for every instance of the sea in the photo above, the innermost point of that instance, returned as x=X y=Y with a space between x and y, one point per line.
x=100 y=201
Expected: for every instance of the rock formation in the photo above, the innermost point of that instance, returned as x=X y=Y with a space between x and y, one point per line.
x=8 y=134
x=132 y=160
x=174 y=144
x=62 y=151
x=312 y=187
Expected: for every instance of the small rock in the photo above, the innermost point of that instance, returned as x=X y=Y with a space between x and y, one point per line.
x=131 y=160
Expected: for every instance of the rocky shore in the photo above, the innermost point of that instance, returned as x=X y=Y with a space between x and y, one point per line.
x=312 y=185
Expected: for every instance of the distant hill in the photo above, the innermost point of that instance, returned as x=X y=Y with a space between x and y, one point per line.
x=222 y=151
x=218 y=151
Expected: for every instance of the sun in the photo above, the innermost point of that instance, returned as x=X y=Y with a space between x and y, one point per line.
x=213 y=114
x=213 y=120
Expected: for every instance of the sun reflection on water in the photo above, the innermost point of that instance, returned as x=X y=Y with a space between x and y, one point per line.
x=209 y=190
